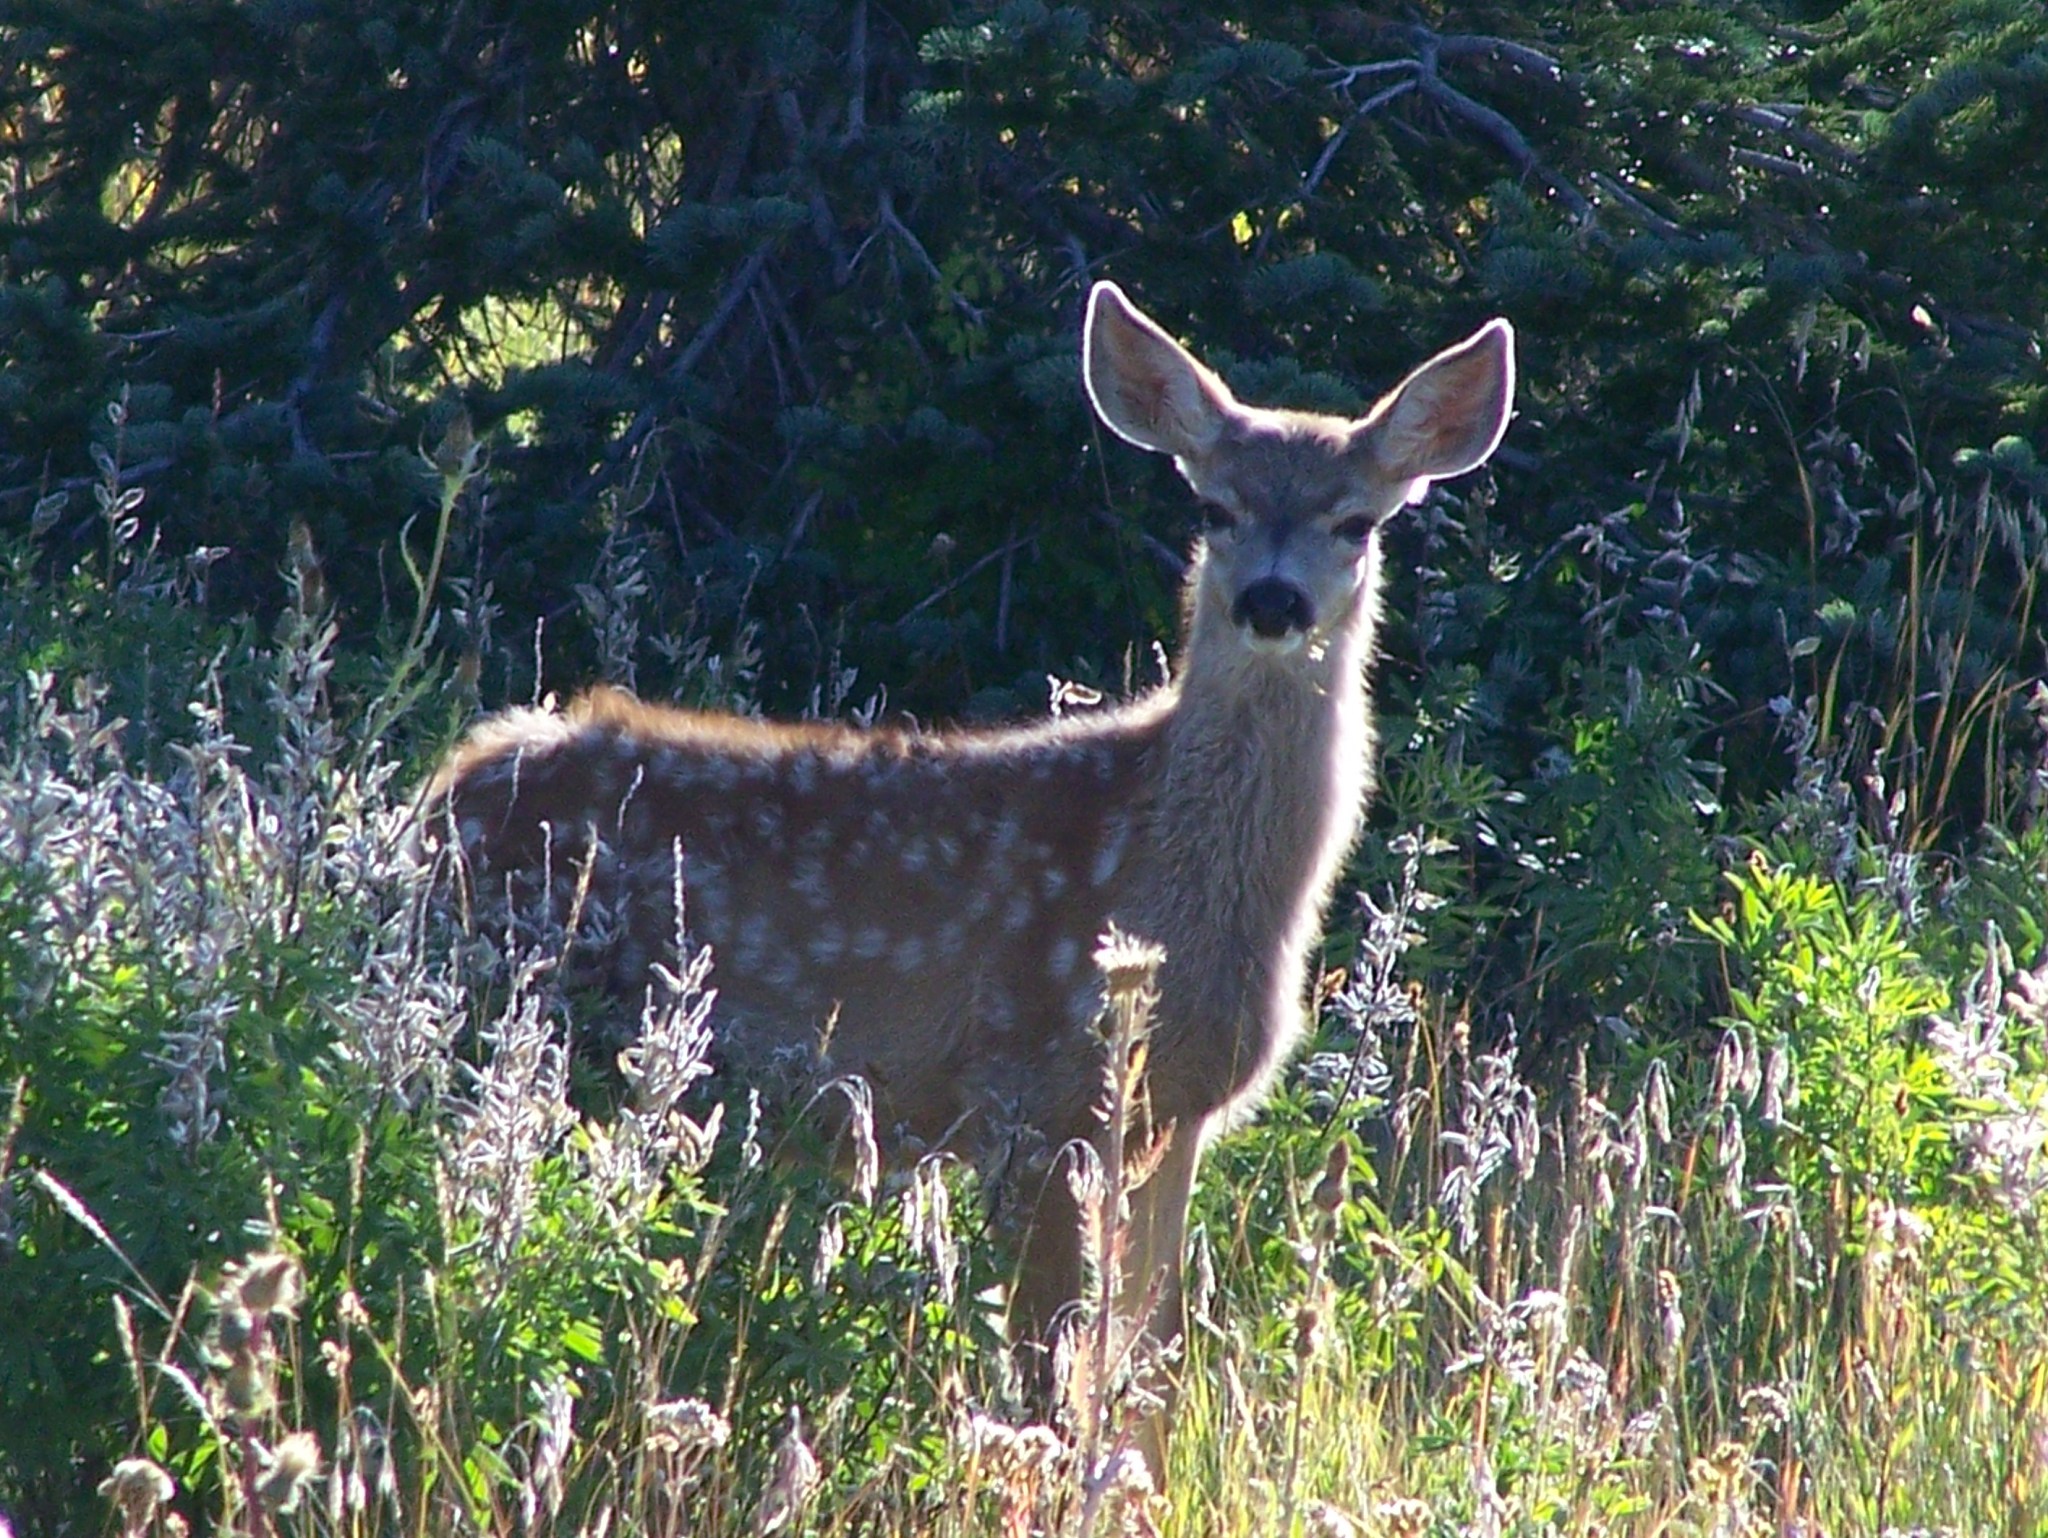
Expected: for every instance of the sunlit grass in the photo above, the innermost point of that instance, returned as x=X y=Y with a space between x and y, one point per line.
x=1786 y=1275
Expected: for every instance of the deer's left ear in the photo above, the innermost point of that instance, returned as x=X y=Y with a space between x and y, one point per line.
x=1448 y=416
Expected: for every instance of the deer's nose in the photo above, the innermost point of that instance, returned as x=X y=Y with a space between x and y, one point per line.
x=1271 y=608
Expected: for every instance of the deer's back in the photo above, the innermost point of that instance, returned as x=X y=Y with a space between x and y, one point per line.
x=937 y=899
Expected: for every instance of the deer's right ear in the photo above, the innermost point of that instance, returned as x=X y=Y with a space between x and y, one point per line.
x=1149 y=389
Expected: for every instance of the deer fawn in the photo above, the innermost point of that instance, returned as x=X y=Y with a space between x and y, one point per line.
x=939 y=897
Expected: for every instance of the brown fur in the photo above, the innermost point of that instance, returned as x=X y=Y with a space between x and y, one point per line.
x=940 y=896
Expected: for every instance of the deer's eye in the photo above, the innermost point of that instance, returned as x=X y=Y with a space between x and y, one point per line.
x=1352 y=530
x=1217 y=519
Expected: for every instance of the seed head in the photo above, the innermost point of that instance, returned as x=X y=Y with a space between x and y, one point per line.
x=289 y=1467
x=1334 y=1188
x=1308 y=1323
x=686 y=1426
x=1127 y=963
x=268 y=1284
x=792 y=1482
x=1403 y=1516
x=136 y=1487
x=248 y=1385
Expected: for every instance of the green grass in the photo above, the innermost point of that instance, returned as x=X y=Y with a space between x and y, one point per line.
x=291 y=1157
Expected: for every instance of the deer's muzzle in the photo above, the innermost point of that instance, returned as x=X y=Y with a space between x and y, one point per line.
x=1273 y=610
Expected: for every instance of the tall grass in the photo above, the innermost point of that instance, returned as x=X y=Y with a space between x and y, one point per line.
x=321 y=1213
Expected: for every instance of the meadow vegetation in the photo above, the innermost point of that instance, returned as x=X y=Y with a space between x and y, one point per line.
x=1669 y=1157
x=317 y=1219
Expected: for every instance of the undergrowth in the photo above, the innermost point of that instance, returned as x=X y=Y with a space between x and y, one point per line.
x=316 y=1217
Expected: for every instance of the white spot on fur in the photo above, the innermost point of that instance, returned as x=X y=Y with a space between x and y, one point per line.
x=1008 y=831
x=812 y=884
x=914 y=855
x=1066 y=955
x=767 y=820
x=1085 y=1003
x=870 y=942
x=1115 y=835
x=750 y=945
x=826 y=942
x=803 y=772
x=1052 y=881
x=1018 y=913
x=909 y=954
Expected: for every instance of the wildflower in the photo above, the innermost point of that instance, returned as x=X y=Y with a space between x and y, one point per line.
x=1765 y=1408
x=554 y=1435
x=791 y=1483
x=1127 y=963
x=1582 y=1383
x=1038 y=1448
x=1327 y=1521
x=682 y=1426
x=1640 y=1436
x=137 y=1487
x=267 y=1284
x=288 y=1468
x=831 y=1250
x=860 y=1127
x=987 y=1439
x=1333 y=1190
x=1670 y=1311
x=1124 y=1485
x=928 y=1223
x=1402 y=1516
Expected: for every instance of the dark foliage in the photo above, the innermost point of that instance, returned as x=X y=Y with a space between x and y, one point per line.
x=792 y=289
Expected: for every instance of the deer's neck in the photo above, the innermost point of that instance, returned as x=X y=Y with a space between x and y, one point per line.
x=1267 y=763
x=1264 y=766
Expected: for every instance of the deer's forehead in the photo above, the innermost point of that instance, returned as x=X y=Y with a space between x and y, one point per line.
x=1288 y=464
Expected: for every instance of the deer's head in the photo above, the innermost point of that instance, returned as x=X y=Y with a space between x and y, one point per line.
x=1292 y=500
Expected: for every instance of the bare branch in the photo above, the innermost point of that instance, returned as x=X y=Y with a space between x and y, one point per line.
x=728 y=302
x=1631 y=203
x=1342 y=77
x=1371 y=104
x=1505 y=136
x=1008 y=548
x=1772 y=165
x=1783 y=122
x=1518 y=55
x=895 y=226
x=1430 y=47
